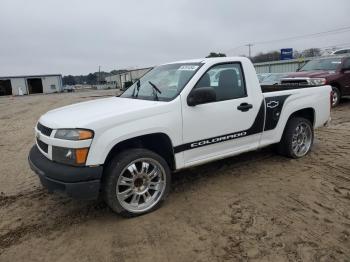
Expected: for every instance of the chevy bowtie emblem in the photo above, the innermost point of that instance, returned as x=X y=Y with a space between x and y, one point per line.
x=272 y=104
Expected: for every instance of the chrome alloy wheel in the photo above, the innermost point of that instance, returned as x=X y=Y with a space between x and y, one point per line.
x=302 y=139
x=141 y=185
x=335 y=98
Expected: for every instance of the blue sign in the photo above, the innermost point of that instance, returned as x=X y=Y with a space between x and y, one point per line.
x=286 y=53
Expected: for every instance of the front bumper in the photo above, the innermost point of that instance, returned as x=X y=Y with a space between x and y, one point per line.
x=76 y=182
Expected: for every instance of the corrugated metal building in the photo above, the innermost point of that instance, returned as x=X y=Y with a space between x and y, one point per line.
x=34 y=84
x=280 y=66
x=131 y=75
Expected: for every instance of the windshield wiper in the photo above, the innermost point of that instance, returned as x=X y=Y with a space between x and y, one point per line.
x=155 y=90
x=136 y=88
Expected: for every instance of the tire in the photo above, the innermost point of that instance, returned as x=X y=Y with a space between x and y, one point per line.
x=136 y=182
x=335 y=96
x=293 y=138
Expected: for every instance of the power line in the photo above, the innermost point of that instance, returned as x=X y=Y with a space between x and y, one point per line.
x=313 y=35
x=337 y=45
x=339 y=30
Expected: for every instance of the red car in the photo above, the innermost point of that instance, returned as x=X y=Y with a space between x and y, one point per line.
x=334 y=71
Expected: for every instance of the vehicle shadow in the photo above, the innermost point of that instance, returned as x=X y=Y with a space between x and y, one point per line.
x=344 y=101
x=187 y=177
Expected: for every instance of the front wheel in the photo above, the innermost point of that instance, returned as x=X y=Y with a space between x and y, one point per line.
x=136 y=182
x=297 y=138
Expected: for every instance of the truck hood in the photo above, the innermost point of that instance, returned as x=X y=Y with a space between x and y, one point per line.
x=86 y=114
x=311 y=74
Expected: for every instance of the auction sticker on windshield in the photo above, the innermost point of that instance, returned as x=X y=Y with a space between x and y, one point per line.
x=188 y=67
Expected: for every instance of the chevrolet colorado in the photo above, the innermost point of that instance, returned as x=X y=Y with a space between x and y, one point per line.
x=333 y=71
x=177 y=116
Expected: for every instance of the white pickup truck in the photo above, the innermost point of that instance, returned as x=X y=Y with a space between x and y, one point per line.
x=178 y=115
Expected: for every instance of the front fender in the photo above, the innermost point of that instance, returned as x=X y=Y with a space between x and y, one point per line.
x=168 y=123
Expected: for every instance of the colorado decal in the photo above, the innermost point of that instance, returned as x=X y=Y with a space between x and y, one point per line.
x=218 y=139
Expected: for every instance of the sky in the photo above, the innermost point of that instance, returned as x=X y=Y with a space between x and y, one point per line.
x=77 y=36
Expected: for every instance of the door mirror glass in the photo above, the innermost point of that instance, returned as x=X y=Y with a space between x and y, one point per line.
x=201 y=95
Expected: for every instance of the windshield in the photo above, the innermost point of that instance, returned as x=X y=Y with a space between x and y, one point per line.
x=329 y=64
x=162 y=83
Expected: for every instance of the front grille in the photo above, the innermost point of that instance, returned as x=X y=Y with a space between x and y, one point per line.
x=43 y=146
x=294 y=82
x=44 y=130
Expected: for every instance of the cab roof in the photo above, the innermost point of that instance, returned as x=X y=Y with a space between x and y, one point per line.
x=210 y=60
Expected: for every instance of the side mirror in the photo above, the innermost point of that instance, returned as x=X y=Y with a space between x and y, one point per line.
x=201 y=95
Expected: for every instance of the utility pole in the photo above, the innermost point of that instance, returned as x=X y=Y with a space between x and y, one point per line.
x=249 y=47
x=99 y=75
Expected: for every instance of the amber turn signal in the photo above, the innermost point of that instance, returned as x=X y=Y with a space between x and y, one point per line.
x=81 y=155
x=85 y=134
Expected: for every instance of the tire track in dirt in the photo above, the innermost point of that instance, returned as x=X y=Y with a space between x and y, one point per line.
x=8 y=200
x=46 y=224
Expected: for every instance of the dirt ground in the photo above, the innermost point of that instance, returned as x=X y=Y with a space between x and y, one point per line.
x=255 y=207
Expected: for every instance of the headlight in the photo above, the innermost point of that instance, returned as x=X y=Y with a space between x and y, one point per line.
x=74 y=134
x=317 y=81
x=70 y=156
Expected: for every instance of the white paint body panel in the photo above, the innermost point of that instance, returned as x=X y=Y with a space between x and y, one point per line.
x=316 y=98
x=116 y=119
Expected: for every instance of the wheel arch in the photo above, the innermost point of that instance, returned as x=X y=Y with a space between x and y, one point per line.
x=307 y=113
x=338 y=86
x=159 y=143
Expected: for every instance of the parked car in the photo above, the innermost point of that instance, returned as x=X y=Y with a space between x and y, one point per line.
x=273 y=79
x=126 y=147
x=334 y=71
x=68 y=88
x=341 y=51
x=262 y=76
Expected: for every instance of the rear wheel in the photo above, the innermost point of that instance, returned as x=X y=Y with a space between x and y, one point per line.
x=136 y=182
x=297 y=138
x=335 y=96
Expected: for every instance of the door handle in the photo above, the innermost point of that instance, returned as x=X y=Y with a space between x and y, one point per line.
x=244 y=107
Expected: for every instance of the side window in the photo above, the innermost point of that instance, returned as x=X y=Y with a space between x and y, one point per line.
x=227 y=81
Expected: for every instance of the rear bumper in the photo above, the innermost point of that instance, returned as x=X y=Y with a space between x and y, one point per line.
x=76 y=182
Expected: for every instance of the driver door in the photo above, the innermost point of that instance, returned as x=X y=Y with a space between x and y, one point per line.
x=221 y=128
